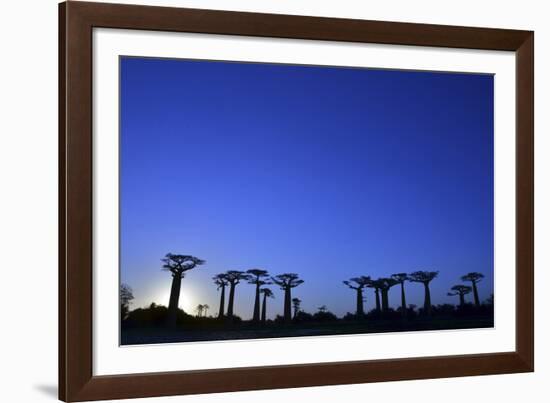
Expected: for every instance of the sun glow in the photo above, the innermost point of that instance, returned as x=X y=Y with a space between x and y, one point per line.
x=187 y=301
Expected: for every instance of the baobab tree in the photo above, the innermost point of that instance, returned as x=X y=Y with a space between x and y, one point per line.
x=234 y=277
x=257 y=277
x=126 y=297
x=358 y=284
x=178 y=265
x=267 y=294
x=221 y=281
x=425 y=277
x=376 y=285
x=385 y=285
x=296 y=305
x=474 y=278
x=461 y=291
x=287 y=281
x=401 y=278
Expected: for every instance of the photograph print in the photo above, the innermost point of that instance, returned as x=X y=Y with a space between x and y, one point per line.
x=271 y=200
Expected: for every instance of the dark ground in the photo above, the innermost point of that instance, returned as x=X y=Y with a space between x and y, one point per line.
x=157 y=335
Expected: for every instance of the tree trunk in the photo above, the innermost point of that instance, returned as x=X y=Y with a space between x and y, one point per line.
x=360 y=311
x=222 y=302
x=174 y=300
x=403 y=301
x=264 y=308
x=256 y=316
x=377 y=294
x=476 y=295
x=287 y=305
x=385 y=304
x=461 y=296
x=427 y=300
x=231 y=300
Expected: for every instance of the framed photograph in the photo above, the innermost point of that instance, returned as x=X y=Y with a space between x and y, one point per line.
x=253 y=201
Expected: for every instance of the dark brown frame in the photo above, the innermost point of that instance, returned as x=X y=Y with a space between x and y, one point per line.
x=76 y=21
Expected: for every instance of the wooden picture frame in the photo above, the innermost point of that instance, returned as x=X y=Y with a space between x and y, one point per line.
x=76 y=22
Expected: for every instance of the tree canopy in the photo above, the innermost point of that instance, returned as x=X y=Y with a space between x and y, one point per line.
x=423 y=276
x=234 y=277
x=400 y=277
x=220 y=280
x=179 y=264
x=474 y=277
x=256 y=275
x=287 y=280
x=460 y=290
x=357 y=282
x=267 y=292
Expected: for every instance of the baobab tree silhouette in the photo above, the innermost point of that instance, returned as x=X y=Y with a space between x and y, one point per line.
x=296 y=305
x=234 y=277
x=287 y=281
x=474 y=278
x=401 y=278
x=257 y=277
x=221 y=281
x=461 y=291
x=267 y=294
x=385 y=284
x=126 y=297
x=358 y=284
x=376 y=285
x=178 y=265
x=425 y=277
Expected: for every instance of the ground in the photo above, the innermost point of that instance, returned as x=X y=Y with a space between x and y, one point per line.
x=151 y=335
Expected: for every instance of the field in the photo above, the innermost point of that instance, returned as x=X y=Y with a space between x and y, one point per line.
x=246 y=330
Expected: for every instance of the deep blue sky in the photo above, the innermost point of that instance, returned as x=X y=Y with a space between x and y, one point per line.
x=323 y=171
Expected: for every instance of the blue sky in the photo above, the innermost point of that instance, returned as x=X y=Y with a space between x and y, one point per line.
x=324 y=171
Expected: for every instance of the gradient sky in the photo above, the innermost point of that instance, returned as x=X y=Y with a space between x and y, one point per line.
x=324 y=171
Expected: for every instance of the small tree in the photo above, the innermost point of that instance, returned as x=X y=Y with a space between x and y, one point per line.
x=425 y=277
x=178 y=265
x=324 y=315
x=296 y=305
x=206 y=307
x=267 y=294
x=221 y=281
x=287 y=282
x=474 y=278
x=126 y=297
x=401 y=278
x=257 y=277
x=199 y=309
x=358 y=284
x=234 y=277
x=461 y=291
